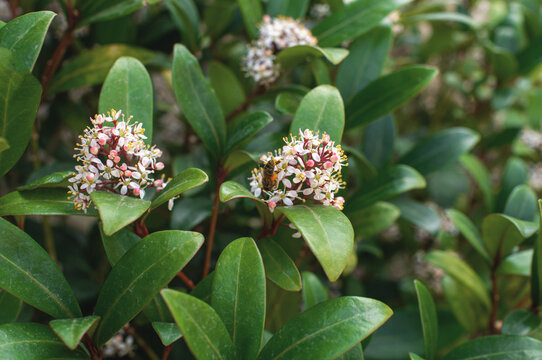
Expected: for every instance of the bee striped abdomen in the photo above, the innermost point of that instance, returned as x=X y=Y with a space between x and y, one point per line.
x=269 y=176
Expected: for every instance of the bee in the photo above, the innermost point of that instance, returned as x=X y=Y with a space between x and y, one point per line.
x=269 y=176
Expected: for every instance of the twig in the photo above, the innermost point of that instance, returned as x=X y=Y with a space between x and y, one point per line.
x=257 y=92
x=95 y=353
x=494 y=305
x=273 y=230
x=189 y=284
x=13 y=8
x=220 y=175
x=167 y=351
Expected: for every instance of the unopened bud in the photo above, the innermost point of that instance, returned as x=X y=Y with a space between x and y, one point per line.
x=90 y=176
x=137 y=191
x=116 y=159
x=94 y=150
x=310 y=163
x=159 y=166
x=328 y=164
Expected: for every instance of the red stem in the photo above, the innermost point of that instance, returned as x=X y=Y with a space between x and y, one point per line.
x=167 y=351
x=95 y=353
x=186 y=280
x=253 y=95
x=220 y=176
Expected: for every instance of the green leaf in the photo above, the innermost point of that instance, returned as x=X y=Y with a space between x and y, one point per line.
x=321 y=109
x=466 y=307
x=481 y=176
x=353 y=20
x=231 y=190
x=346 y=320
x=20 y=95
x=157 y=310
x=92 y=66
x=519 y=263
x=40 y=202
x=238 y=295
x=520 y=322
x=198 y=101
x=521 y=203
x=386 y=93
x=440 y=16
x=379 y=141
x=203 y=331
x=502 y=233
x=24 y=36
x=396 y=180
x=185 y=16
x=428 y=316
x=128 y=87
x=515 y=173
x=356 y=353
x=70 y=331
x=228 y=89
x=118 y=244
x=459 y=271
x=297 y=54
x=139 y=275
x=247 y=128
x=101 y=10
x=327 y=231
x=320 y=71
x=168 y=332
x=3 y=144
x=33 y=276
x=498 y=347
x=204 y=288
x=364 y=64
x=470 y=232
x=56 y=179
x=117 y=211
x=296 y=9
x=252 y=15
x=279 y=267
x=536 y=268
x=10 y=307
x=413 y=356
x=440 y=149
x=314 y=292
x=186 y=180
x=32 y=341
x=419 y=214
x=288 y=100
x=371 y=220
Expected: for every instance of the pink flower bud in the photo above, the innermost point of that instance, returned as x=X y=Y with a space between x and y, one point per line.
x=158 y=183
x=325 y=138
x=334 y=158
x=125 y=147
x=328 y=164
x=339 y=200
x=101 y=141
x=272 y=204
x=90 y=176
x=113 y=153
x=159 y=166
x=123 y=167
x=94 y=150
x=137 y=191
x=116 y=159
x=310 y=163
x=127 y=173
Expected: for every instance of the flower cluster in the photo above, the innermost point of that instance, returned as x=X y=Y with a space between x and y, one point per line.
x=114 y=158
x=308 y=167
x=275 y=34
x=531 y=138
x=120 y=345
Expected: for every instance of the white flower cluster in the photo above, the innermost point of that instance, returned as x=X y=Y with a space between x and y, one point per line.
x=531 y=138
x=308 y=167
x=120 y=345
x=114 y=158
x=275 y=34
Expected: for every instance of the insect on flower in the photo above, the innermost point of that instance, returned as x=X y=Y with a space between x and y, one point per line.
x=269 y=176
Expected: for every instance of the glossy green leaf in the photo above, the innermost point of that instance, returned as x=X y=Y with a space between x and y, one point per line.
x=394 y=181
x=252 y=15
x=139 y=275
x=32 y=341
x=481 y=176
x=204 y=288
x=247 y=128
x=379 y=140
x=231 y=190
x=353 y=20
x=364 y=64
x=297 y=54
x=40 y=202
x=10 y=307
x=419 y=214
x=327 y=330
x=314 y=292
x=279 y=267
x=440 y=16
x=128 y=87
x=24 y=36
x=515 y=173
x=101 y=10
x=56 y=179
x=203 y=331
x=460 y=271
x=536 y=266
x=383 y=95
x=229 y=90
x=440 y=149
x=498 y=347
x=70 y=331
x=117 y=211
x=428 y=316
x=157 y=310
x=522 y=203
x=470 y=232
x=520 y=322
x=186 y=180
x=356 y=353
x=413 y=356
x=320 y=71
x=33 y=276
x=238 y=295
x=3 y=144
x=198 y=100
x=168 y=332
x=502 y=233
x=519 y=263
x=371 y=220
x=118 y=244
x=293 y=8
x=327 y=231
x=288 y=100
x=20 y=95
x=92 y=66
x=466 y=307
x=321 y=109
x=185 y=16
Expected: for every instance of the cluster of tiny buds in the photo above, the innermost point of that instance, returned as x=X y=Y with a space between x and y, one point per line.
x=531 y=138
x=114 y=157
x=120 y=345
x=308 y=167
x=275 y=34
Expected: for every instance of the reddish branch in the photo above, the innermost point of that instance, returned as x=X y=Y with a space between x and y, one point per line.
x=189 y=284
x=273 y=230
x=95 y=353
x=167 y=351
x=257 y=92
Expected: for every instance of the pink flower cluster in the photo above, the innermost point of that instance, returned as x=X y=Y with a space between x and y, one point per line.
x=308 y=167
x=114 y=158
